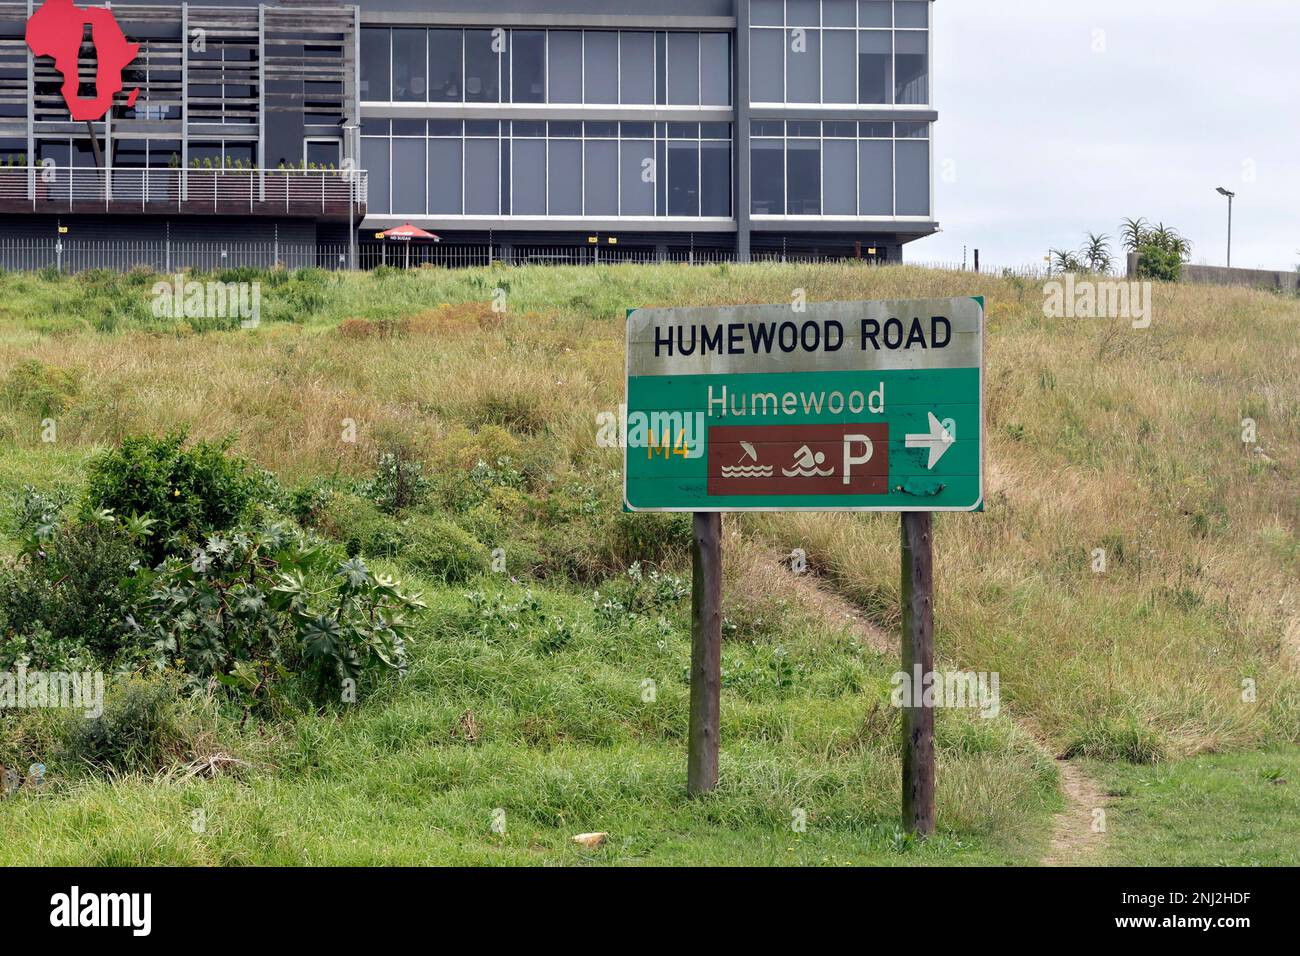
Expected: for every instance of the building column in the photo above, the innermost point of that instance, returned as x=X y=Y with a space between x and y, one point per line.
x=740 y=139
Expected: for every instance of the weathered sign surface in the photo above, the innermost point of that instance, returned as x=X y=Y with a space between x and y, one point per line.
x=839 y=406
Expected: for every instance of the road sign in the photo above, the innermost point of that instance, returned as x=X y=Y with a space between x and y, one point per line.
x=833 y=406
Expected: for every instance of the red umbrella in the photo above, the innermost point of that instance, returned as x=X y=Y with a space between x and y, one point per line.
x=405 y=233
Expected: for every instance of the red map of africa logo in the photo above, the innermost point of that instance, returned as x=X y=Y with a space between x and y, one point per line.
x=57 y=29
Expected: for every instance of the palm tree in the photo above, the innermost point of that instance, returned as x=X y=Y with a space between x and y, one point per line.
x=1168 y=238
x=1065 y=261
x=1132 y=233
x=1096 y=253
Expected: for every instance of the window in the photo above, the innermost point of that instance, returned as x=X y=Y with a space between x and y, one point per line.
x=910 y=56
x=528 y=66
x=564 y=177
x=445 y=66
x=600 y=177
x=410 y=65
x=838 y=13
x=875 y=13
x=637 y=68
x=445 y=176
x=840 y=168
x=715 y=178
x=913 y=163
x=767 y=66
x=538 y=167
x=715 y=69
x=565 y=65
x=482 y=68
x=482 y=177
x=769 y=13
x=683 y=178
x=375 y=64
x=322 y=153
x=683 y=69
x=637 y=177
x=600 y=60
x=803 y=59
x=838 y=83
x=876 y=177
x=912 y=14
x=875 y=67
x=528 y=183
x=803 y=177
x=374 y=159
x=409 y=175
x=767 y=177
x=840 y=177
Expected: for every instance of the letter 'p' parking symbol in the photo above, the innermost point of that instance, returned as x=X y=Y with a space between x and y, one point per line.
x=850 y=459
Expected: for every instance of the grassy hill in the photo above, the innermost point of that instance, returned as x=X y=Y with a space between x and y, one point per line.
x=526 y=690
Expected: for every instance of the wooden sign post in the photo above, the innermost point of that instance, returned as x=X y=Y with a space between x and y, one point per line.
x=706 y=653
x=826 y=406
x=917 y=590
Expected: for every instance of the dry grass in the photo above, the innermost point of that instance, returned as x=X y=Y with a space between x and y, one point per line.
x=1100 y=436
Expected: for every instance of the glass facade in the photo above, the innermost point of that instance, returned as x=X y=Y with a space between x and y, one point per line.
x=547 y=168
x=840 y=52
x=574 y=67
x=839 y=168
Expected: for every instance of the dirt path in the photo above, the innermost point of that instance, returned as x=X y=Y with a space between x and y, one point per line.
x=1074 y=841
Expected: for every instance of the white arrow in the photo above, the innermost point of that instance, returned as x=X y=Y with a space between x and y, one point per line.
x=937 y=440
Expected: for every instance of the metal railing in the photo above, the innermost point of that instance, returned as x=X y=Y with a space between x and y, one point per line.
x=266 y=191
x=67 y=254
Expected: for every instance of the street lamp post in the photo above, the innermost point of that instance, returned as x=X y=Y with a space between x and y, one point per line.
x=1230 y=196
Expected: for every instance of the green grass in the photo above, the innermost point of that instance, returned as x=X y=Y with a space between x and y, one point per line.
x=1213 y=810
x=1099 y=437
x=564 y=743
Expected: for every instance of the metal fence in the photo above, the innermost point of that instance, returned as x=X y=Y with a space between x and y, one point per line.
x=264 y=191
x=166 y=256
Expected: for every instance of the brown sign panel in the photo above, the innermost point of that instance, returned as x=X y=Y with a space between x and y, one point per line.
x=840 y=459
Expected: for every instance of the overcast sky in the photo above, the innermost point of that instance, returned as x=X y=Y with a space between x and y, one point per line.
x=1060 y=116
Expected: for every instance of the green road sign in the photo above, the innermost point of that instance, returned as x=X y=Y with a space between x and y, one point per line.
x=835 y=406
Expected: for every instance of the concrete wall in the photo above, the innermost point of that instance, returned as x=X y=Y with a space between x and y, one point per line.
x=1280 y=281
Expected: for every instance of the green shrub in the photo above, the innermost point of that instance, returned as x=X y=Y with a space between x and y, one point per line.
x=653 y=538
x=138 y=731
x=251 y=608
x=73 y=591
x=1163 y=265
x=398 y=482
x=360 y=526
x=188 y=492
x=443 y=551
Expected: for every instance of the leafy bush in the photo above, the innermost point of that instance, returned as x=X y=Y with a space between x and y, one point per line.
x=275 y=596
x=398 y=482
x=360 y=526
x=656 y=538
x=187 y=492
x=443 y=551
x=1163 y=265
x=637 y=593
x=72 y=591
x=137 y=732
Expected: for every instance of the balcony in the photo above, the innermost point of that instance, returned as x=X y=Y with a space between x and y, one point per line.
x=315 y=194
